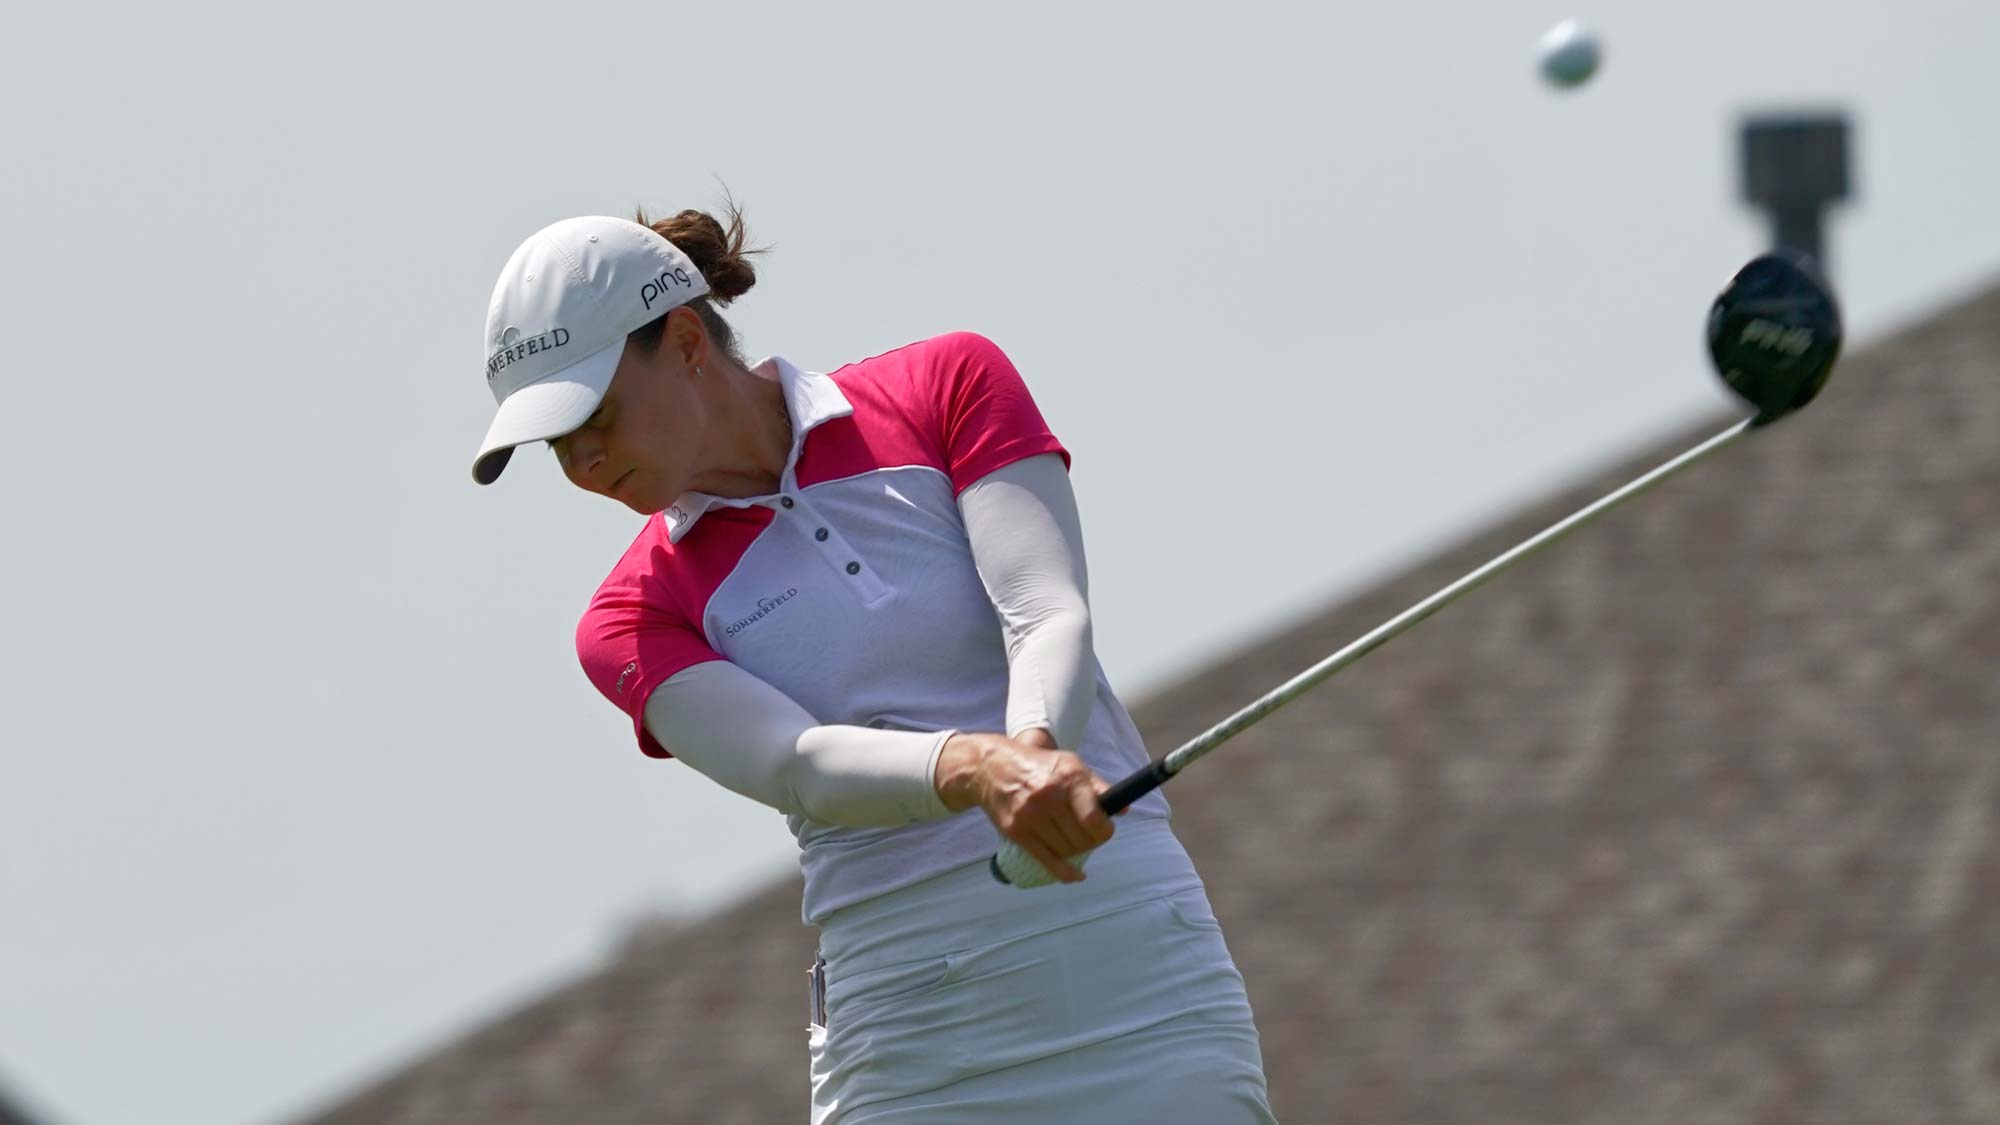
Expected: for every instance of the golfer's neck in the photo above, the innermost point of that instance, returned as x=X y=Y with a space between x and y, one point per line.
x=757 y=440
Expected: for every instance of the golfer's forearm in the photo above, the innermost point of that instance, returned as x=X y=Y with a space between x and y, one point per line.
x=1049 y=684
x=1027 y=542
x=755 y=740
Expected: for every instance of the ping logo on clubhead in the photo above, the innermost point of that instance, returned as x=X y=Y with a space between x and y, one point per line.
x=1774 y=337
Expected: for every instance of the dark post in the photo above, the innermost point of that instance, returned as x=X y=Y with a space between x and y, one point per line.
x=1794 y=167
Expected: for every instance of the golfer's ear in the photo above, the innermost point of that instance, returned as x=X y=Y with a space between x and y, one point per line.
x=685 y=338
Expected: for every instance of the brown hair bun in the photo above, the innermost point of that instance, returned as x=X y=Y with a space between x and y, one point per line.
x=718 y=251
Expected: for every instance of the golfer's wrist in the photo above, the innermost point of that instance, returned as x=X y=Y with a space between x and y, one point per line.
x=959 y=769
x=1037 y=737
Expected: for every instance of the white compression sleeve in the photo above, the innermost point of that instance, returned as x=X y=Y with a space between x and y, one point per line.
x=755 y=740
x=1027 y=542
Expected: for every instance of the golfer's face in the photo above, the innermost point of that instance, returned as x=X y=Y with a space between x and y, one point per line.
x=637 y=447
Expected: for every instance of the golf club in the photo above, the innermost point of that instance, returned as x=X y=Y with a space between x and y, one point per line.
x=1773 y=335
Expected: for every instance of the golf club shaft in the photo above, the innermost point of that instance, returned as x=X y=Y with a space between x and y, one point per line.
x=1291 y=689
x=1156 y=772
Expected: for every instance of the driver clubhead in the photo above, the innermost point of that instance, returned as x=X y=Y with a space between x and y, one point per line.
x=1774 y=333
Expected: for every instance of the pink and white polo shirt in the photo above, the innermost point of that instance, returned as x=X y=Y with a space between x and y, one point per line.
x=851 y=589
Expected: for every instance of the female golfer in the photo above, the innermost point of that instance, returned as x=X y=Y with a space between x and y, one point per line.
x=859 y=598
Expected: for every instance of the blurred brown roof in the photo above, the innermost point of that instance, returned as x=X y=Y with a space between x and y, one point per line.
x=1691 y=819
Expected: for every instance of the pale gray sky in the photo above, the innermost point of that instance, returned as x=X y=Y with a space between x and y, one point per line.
x=300 y=775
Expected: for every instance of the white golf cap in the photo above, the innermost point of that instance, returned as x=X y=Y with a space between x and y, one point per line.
x=557 y=324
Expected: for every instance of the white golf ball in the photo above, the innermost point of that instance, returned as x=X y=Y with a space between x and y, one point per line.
x=1570 y=54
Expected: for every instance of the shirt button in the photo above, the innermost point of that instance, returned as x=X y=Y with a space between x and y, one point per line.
x=854 y=568
x=820 y=535
x=785 y=500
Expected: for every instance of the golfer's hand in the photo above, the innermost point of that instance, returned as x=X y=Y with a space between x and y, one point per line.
x=1039 y=797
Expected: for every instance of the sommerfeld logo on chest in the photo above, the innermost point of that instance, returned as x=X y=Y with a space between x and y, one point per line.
x=764 y=607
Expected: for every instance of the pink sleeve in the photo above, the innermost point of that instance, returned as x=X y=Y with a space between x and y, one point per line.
x=988 y=418
x=630 y=646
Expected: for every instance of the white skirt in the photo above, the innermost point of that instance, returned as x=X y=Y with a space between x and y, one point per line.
x=958 y=1001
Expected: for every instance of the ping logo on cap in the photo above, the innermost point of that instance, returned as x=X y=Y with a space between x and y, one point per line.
x=513 y=348
x=667 y=282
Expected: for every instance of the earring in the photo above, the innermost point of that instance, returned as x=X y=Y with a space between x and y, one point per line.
x=697 y=370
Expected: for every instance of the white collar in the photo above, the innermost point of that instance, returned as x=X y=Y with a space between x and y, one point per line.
x=810 y=399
